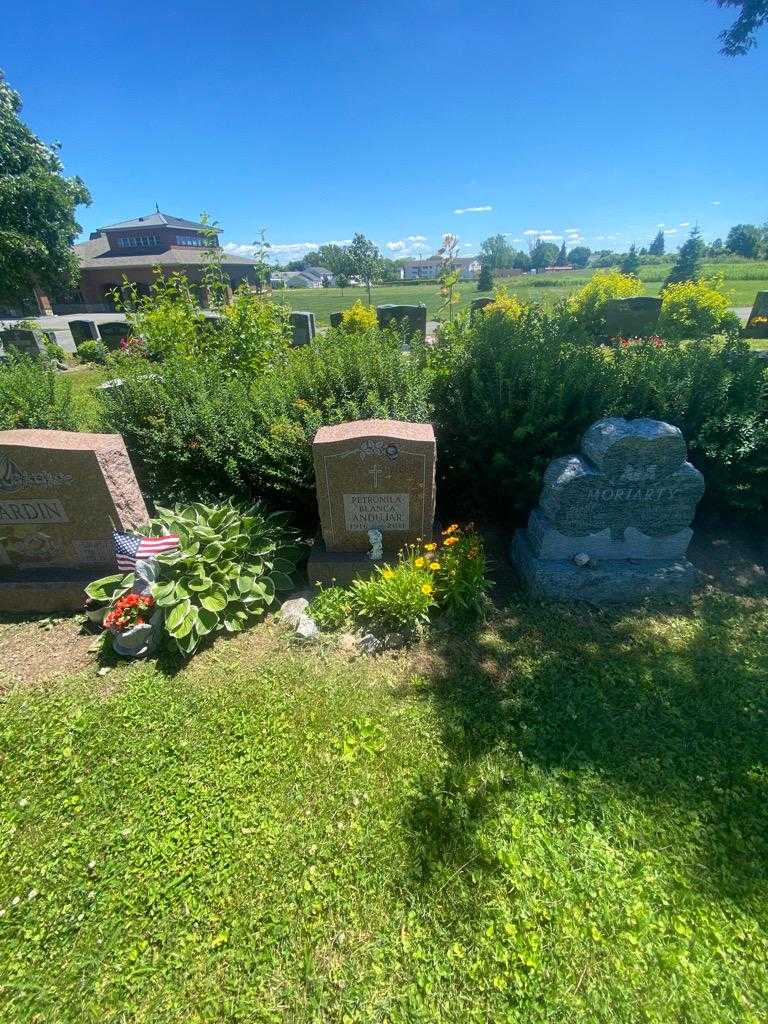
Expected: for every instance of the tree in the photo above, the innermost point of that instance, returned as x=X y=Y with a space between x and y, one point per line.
x=543 y=254
x=631 y=262
x=579 y=256
x=562 y=257
x=364 y=261
x=342 y=281
x=485 y=278
x=656 y=248
x=521 y=261
x=497 y=253
x=333 y=257
x=740 y=37
x=37 y=210
x=745 y=240
x=688 y=264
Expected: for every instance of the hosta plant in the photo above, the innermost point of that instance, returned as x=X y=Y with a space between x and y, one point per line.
x=230 y=564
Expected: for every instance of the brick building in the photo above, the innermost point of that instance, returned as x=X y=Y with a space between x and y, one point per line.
x=133 y=249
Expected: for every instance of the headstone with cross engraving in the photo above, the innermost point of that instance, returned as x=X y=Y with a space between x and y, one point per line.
x=613 y=523
x=371 y=475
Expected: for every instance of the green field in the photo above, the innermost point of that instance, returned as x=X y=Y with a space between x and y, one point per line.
x=742 y=281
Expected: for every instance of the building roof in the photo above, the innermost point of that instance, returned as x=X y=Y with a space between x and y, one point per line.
x=95 y=254
x=158 y=219
x=460 y=261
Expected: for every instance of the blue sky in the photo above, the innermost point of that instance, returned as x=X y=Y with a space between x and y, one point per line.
x=605 y=119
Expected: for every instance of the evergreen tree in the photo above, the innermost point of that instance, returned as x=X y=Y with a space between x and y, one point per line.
x=485 y=278
x=562 y=257
x=631 y=262
x=656 y=248
x=688 y=264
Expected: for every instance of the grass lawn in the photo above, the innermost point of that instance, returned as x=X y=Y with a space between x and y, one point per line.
x=742 y=282
x=559 y=817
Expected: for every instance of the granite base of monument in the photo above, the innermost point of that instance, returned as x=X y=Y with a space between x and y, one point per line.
x=47 y=592
x=604 y=581
x=338 y=568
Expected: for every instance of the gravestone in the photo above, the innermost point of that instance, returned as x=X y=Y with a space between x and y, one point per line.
x=757 y=325
x=370 y=475
x=412 y=318
x=113 y=332
x=302 y=328
x=613 y=524
x=476 y=306
x=29 y=343
x=335 y=319
x=60 y=494
x=632 y=318
x=83 y=330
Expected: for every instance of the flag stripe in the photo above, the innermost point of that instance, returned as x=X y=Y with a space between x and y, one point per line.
x=129 y=548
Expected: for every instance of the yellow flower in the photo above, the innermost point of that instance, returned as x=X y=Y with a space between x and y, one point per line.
x=430 y=547
x=426 y=588
x=388 y=574
x=434 y=566
x=451 y=540
x=419 y=563
x=450 y=529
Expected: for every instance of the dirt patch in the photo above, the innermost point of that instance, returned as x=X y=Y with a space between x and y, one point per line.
x=40 y=649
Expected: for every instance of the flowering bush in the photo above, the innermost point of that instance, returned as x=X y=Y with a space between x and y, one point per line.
x=504 y=305
x=358 y=318
x=133 y=346
x=128 y=611
x=586 y=304
x=695 y=309
x=396 y=597
x=457 y=562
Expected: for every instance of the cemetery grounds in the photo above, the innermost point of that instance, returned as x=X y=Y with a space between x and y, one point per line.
x=557 y=816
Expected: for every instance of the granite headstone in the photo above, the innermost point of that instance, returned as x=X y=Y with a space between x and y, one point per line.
x=302 y=328
x=335 y=319
x=413 y=319
x=27 y=342
x=613 y=523
x=61 y=493
x=632 y=318
x=757 y=325
x=371 y=475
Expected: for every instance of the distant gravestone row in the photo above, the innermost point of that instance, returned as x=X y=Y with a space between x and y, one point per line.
x=26 y=342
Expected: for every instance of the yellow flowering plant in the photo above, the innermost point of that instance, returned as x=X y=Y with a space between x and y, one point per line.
x=459 y=572
x=397 y=597
x=358 y=318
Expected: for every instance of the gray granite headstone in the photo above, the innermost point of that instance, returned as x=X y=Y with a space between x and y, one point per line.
x=302 y=328
x=478 y=305
x=757 y=325
x=413 y=318
x=83 y=330
x=29 y=343
x=113 y=332
x=632 y=318
x=335 y=319
x=623 y=509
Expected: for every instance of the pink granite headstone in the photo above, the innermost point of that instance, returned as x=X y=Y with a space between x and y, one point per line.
x=61 y=494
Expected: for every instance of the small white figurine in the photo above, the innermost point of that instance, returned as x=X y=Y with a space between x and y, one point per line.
x=375 y=540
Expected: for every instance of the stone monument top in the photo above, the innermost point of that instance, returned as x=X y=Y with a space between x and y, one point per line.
x=627 y=499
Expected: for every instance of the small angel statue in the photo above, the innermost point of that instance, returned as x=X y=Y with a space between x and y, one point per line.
x=375 y=540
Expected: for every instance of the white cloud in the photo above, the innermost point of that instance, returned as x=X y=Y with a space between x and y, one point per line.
x=547 y=236
x=670 y=231
x=573 y=231
x=716 y=202
x=685 y=223
x=518 y=240
x=396 y=246
x=474 y=209
x=531 y=231
x=416 y=238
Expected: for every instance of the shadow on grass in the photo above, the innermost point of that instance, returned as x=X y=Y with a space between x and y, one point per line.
x=668 y=710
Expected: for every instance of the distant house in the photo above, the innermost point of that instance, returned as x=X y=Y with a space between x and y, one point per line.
x=554 y=270
x=136 y=250
x=430 y=270
x=310 y=277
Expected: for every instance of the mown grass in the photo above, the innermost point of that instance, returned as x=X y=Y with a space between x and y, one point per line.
x=742 y=282
x=560 y=817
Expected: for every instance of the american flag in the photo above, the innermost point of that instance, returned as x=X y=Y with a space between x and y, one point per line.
x=129 y=549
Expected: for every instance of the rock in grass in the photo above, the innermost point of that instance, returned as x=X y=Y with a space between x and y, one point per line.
x=292 y=611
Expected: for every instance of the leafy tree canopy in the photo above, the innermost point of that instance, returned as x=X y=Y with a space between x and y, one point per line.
x=364 y=261
x=543 y=254
x=37 y=210
x=740 y=37
x=631 y=262
x=745 y=240
x=579 y=256
x=497 y=253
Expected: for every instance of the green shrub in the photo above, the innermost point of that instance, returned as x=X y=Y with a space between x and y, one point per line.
x=34 y=395
x=695 y=309
x=331 y=608
x=396 y=598
x=54 y=351
x=587 y=304
x=511 y=395
x=230 y=565
x=93 y=352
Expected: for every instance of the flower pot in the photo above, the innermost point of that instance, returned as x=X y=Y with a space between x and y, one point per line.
x=138 y=641
x=95 y=612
